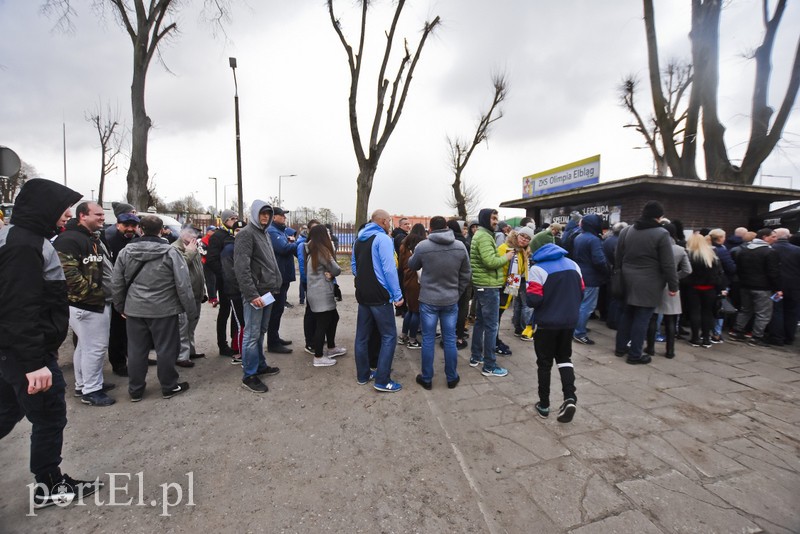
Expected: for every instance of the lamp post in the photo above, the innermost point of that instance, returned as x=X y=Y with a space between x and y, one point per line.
x=232 y=62
x=281 y=177
x=216 y=199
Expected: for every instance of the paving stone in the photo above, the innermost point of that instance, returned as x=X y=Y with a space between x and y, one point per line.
x=772 y=372
x=613 y=456
x=493 y=416
x=723 y=370
x=662 y=381
x=643 y=395
x=709 y=400
x=503 y=493
x=627 y=418
x=487 y=401
x=702 y=456
x=784 y=391
x=584 y=421
x=606 y=374
x=786 y=358
x=787 y=429
x=591 y=394
x=569 y=492
x=732 y=354
x=698 y=423
x=529 y=436
x=677 y=504
x=756 y=447
x=762 y=496
x=673 y=366
x=713 y=383
x=624 y=523
x=667 y=453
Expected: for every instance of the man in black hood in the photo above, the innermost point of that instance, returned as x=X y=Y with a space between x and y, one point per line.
x=31 y=382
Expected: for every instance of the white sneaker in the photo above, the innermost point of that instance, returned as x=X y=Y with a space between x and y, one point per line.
x=324 y=362
x=335 y=351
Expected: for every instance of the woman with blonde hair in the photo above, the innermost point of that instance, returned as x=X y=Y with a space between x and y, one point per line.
x=703 y=285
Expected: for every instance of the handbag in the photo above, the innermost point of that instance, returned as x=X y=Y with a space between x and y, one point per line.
x=726 y=307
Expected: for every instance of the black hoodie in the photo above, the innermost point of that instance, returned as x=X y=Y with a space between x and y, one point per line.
x=485 y=219
x=32 y=282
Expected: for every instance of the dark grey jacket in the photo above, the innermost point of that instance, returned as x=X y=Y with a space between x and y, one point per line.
x=161 y=288
x=446 y=272
x=645 y=253
x=253 y=258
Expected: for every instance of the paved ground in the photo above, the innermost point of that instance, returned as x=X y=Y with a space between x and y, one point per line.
x=707 y=442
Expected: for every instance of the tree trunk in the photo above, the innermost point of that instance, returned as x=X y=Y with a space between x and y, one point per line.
x=363 y=190
x=458 y=195
x=137 y=172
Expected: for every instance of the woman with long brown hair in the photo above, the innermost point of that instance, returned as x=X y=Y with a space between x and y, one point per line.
x=321 y=268
x=411 y=288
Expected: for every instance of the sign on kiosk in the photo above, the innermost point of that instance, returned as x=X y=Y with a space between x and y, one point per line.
x=570 y=176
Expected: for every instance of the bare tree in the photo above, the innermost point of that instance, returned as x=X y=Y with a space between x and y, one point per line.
x=368 y=157
x=677 y=79
x=765 y=131
x=471 y=195
x=10 y=185
x=147 y=23
x=111 y=134
x=460 y=150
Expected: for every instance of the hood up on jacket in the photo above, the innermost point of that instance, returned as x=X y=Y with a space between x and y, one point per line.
x=592 y=224
x=485 y=218
x=549 y=252
x=372 y=228
x=40 y=204
x=147 y=247
x=442 y=237
x=255 y=209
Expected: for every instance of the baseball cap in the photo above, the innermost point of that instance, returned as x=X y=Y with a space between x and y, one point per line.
x=127 y=218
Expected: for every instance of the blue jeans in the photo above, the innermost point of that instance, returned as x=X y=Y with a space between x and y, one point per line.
x=484 y=333
x=632 y=327
x=383 y=317
x=588 y=304
x=411 y=323
x=522 y=313
x=256 y=321
x=447 y=315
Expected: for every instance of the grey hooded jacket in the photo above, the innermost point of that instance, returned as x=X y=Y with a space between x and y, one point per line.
x=160 y=289
x=253 y=258
x=445 y=268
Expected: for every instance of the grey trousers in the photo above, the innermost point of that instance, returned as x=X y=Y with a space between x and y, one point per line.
x=160 y=334
x=755 y=302
x=187 y=328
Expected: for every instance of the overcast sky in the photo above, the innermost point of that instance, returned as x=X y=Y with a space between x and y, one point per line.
x=564 y=59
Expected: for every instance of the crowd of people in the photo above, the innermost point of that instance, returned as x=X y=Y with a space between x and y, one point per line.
x=131 y=288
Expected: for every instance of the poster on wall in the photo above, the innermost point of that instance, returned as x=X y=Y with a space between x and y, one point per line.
x=561 y=215
x=563 y=178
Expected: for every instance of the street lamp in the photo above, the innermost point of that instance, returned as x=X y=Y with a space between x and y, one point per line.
x=282 y=176
x=232 y=62
x=216 y=199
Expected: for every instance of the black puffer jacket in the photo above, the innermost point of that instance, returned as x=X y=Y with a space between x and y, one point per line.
x=758 y=266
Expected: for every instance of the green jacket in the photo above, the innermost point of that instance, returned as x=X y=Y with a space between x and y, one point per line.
x=487 y=265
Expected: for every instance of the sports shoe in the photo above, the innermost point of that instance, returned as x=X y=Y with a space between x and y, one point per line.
x=106 y=387
x=566 y=412
x=371 y=377
x=137 y=397
x=236 y=360
x=402 y=339
x=525 y=337
x=497 y=371
x=736 y=336
x=706 y=343
x=757 y=342
x=64 y=491
x=179 y=388
x=423 y=383
x=226 y=351
x=268 y=371
x=309 y=349
x=583 y=340
x=517 y=333
x=279 y=349
x=543 y=411
x=695 y=342
x=645 y=359
x=461 y=344
x=324 y=361
x=389 y=387
x=184 y=363
x=335 y=352
x=475 y=362
x=254 y=384
x=660 y=339
x=413 y=344
x=502 y=350
x=716 y=338
x=97 y=398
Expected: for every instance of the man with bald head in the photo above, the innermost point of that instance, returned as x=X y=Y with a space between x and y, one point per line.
x=377 y=288
x=84 y=259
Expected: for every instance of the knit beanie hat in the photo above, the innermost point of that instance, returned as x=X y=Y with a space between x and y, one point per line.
x=227 y=214
x=525 y=231
x=121 y=207
x=653 y=210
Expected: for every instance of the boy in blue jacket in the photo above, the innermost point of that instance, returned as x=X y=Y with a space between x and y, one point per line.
x=555 y=291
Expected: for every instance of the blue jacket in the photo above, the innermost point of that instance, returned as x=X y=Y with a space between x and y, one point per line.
x=301 y=260
x=383 y=259
x=284 y=251
x=588 y=252
x=727 y=261
x=555 y=288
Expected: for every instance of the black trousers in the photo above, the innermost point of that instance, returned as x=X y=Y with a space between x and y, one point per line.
x=701 y=311
x=275 y=316
x=46 y=410
x=325 y=328
x=463 y=310
x=670 y=331
x=554 y=344
x=117 y=341
x=309 y=326
x=223 y=315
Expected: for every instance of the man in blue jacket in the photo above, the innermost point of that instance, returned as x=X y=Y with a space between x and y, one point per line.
x=377 y=287
x=588 y=254
x=285 y=250
x=554 y=292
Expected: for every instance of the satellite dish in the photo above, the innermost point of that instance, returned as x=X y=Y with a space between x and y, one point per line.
x=9 y=162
